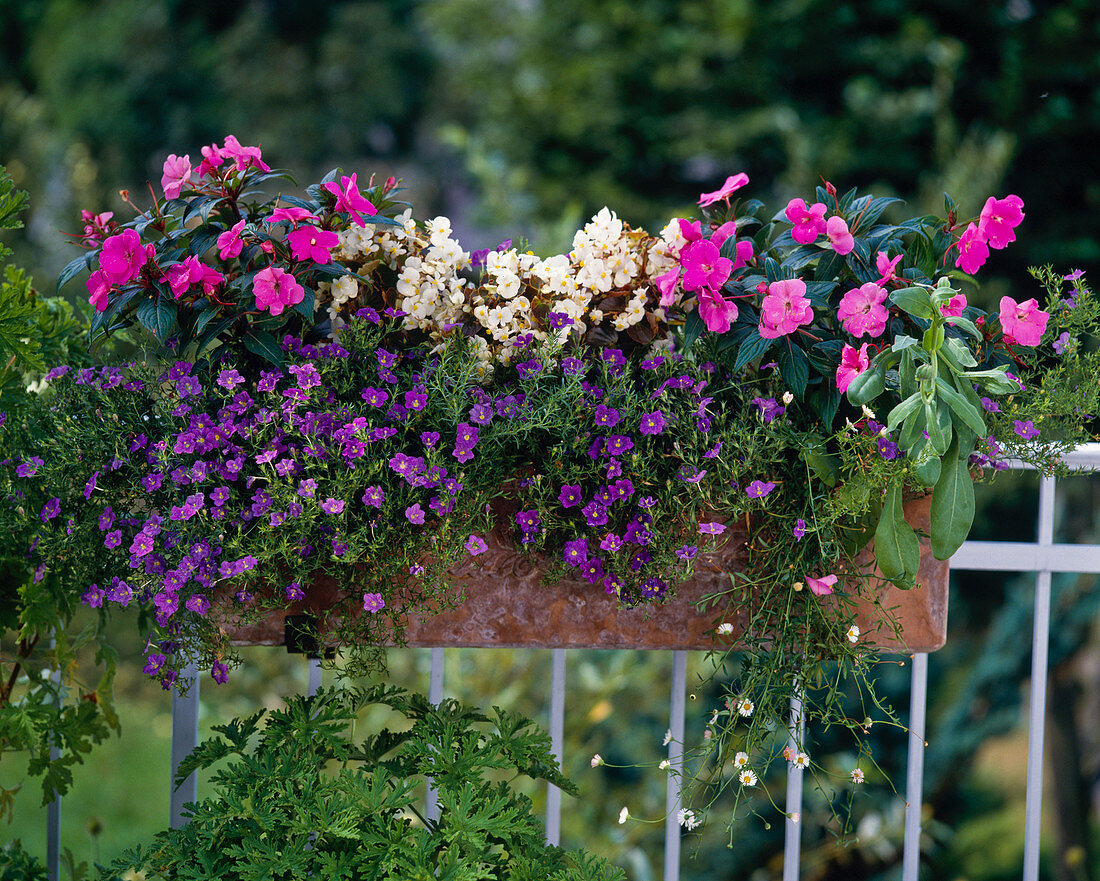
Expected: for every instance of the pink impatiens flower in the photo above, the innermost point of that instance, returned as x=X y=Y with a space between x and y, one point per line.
x=666 y=284
x=716 y=311
x=177 y=172
x=122 y=257
x=243 y=157
x=733 y=183
x=784 y=309
x=809 y=223
x=704 y=267
x=861 y=310
x=953 y=308
x=822 y=586
x=275 y=289
x=350 y=200
x=852 y=363
x=1023 y=323
x=887 y=268
x=998 y=218
x=229 y=242
x=99 y=286
x=182 y=275
x=836 y=228
x=973 y=250
x=311 y=243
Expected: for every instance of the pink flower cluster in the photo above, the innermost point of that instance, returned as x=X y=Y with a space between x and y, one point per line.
x=994 y=229
x=703 y=268
x=809 y=223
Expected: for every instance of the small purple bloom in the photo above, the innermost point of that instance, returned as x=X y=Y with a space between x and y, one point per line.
x=373 y=602
x=687 y=552
x=606 y=417
x=333 y=506
x=572 y=366
x=415 y=514
x=113 y=539
x=1025 y=429
x=374 y=496
x=475 y=544
x=758 y=489
x=618 y=444
x=611 y=543
x=294 y=592
x=593 y=570
x=769 y=408
x=888 y=449
x=30 y=467
x=429 y=438
x=529 y=521
x=198 y=604
x=595 y=514
x=652 y=423
x=575 y=552
x=93 y=596
x=570 y=496
x=219 y=672
x=376 y=397
x=799 y=530
x=50 y=510
x=229 y=379
x=712 y=528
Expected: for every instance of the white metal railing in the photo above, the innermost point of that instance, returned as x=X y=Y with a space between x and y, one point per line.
x=1042 y=557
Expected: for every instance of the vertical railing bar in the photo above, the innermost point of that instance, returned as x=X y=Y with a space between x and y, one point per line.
x=792 y=841
x=316 y=676
x=914 y=776
x=185 y=736
x=53 y=810
x=557 y=738
x=435 y=695
x=673 y=794
x=1037 y=712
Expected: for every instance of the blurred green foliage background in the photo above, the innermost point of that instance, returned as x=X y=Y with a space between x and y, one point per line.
x=519 y=118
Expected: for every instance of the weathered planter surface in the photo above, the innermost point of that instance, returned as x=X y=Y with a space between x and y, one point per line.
x=507 y=605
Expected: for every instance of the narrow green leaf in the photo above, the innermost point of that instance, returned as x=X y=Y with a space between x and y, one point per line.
x=952 y=505
x=971 y=417
x=914 y=300
x=693 y=328
x=897 y=550
x=866 y=387
x=902 y=410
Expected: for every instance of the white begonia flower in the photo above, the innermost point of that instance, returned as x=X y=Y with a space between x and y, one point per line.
x=507 y=284
x=344 y=288
x=596 y=316
x=623 y=814
x=438 y=229
x=788 y=397
x=747 y=778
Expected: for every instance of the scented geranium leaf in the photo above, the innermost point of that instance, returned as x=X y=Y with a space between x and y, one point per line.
x=897 y=550
x=911 y=429
x=952 y=512
x=993 y=380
